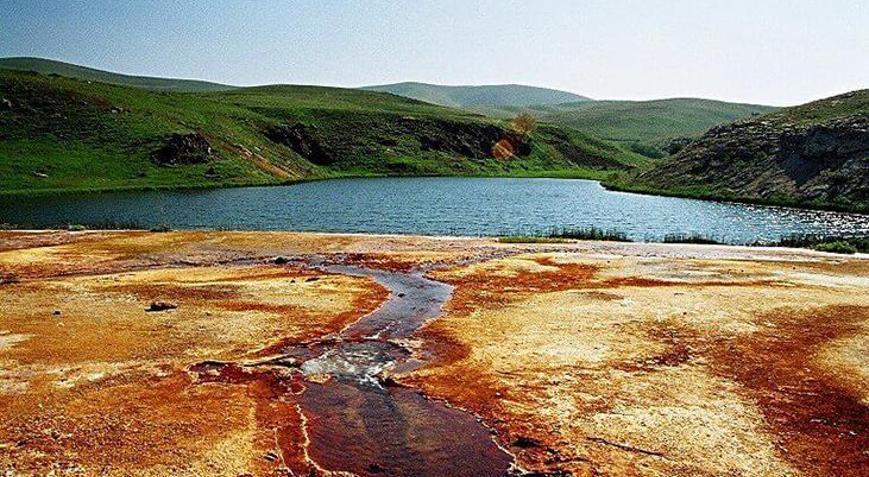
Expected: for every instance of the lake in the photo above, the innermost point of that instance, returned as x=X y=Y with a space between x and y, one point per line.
x=435 y=206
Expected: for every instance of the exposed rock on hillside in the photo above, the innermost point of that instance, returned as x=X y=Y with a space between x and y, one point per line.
x=298 y=138
x=813 y=154
x=180 y=149
x=475 y=140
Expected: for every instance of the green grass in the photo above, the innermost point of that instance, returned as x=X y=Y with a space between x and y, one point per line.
x=839 y=246
x=41 y=65
x=690 y=238
x=824 y=243
x=648 y=122
x=589 y=233
x=641 y=126
x=530 y=239
x=567 y=234
x=67 y=134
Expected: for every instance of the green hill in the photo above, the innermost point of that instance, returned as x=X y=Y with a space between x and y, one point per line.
x=814 y=155
x=51 y=67
x=60 y=133
x=651 y=122
x=645 y=126
x=471 y=97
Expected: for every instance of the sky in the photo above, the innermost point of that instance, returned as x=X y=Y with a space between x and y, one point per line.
x=759 y=51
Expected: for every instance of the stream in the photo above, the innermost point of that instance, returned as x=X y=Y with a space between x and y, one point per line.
x=362 y=423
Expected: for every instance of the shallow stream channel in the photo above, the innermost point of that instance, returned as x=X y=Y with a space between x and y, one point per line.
x=357 y=418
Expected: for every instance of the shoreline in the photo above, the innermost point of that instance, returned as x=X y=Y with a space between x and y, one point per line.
x=680 y=250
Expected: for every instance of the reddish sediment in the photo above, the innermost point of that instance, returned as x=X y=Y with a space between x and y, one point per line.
x=582 y=365
x=820 y=426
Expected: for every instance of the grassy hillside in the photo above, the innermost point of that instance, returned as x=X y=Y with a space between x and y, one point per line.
x=644 y=126
x=814 y=155
x=48 y=67
x=60 y=133
x=471 y=97
x=648 y=121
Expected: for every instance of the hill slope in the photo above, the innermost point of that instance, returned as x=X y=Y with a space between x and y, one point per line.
x=643 y=125
x=648 y=121
x=59 y=133
x=509 y=95
x=816 y=154
x=49 y=67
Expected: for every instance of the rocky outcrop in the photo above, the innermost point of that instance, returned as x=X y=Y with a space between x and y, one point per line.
x=300 y=139
x=409 y=135
x=673 y=146
x=806 y=156
x=182 y=149
x=473 y=140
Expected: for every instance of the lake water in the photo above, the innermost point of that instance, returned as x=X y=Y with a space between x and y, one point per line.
x=436 y=206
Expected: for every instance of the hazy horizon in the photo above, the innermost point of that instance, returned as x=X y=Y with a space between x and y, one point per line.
x=775 y=52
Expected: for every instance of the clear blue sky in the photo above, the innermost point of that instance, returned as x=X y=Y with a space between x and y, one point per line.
x=765 y=51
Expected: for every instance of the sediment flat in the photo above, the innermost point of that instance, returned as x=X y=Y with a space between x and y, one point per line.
x=269 y=353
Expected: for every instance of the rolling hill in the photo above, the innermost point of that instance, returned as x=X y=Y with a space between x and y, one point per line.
x=60 y=133
x=483 y=97
x=645 y=126
x=51 y=67
x=648 y=121
x=814 y=155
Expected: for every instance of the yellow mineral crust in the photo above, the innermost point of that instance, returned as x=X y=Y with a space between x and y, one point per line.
x=588 y=358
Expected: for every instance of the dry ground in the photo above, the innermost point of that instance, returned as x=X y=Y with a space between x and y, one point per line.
x=587 y=358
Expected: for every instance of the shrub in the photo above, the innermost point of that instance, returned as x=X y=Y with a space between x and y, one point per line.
x=839 y=246
x=842 y=244
x=590 y=233
x=529 y=239
x=690 y=238
x=524 y=124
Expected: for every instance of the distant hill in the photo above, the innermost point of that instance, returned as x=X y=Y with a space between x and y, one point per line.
x=63 y=133
x=648 y=121
x=49 y=67
x=814 y=155
x=510 y=95
x=646 y=126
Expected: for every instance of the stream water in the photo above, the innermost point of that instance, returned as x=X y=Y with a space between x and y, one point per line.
x=366 y=427
x=359 y=422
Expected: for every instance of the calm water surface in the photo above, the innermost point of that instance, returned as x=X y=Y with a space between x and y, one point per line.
x=437 y=206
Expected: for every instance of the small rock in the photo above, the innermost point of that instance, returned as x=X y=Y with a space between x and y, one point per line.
x=41 y=175
x=210 y=173
x=161 y=306
x=312 y=279
x=401 y=295
x=375 y=468
x=56 y=312
x=281 y=260
x=6 y=103
x=270 y=456
x=524 y=442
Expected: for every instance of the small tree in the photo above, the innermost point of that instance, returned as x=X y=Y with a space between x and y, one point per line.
x=524 y=123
